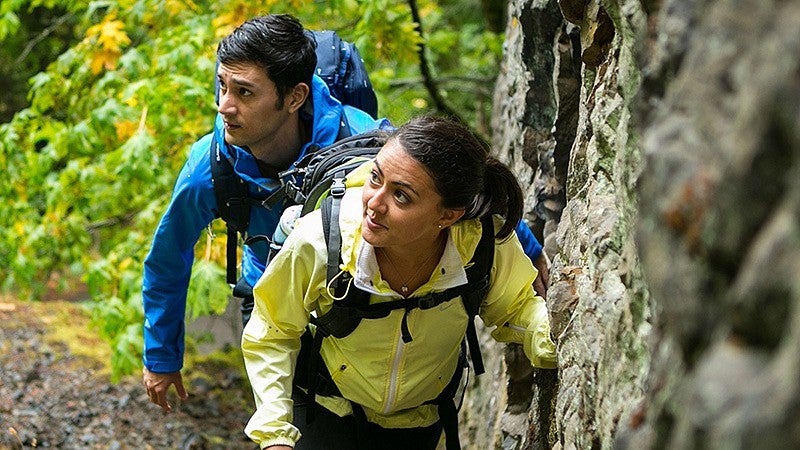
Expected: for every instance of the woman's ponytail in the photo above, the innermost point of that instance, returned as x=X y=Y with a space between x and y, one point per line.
x=462 y=170
x=501 y=194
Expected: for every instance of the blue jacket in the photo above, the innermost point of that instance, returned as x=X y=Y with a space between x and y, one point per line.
x=168 y=266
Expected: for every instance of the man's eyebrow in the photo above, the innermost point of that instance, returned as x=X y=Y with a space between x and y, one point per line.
x=398 y=183
x=239 y=81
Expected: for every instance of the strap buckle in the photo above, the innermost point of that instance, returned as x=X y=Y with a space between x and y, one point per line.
x=337 y=187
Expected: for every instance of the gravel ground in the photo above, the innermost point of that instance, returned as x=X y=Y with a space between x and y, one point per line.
x=52 y=396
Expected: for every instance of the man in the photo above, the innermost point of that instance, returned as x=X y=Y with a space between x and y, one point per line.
x=271 y=110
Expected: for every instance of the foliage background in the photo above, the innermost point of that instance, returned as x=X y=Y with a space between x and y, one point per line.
x=115 y=92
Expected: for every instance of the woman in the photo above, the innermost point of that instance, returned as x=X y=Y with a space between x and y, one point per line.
x=409 y=231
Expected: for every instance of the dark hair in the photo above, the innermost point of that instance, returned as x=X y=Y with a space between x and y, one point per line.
x=279 y=44
x=463 y=172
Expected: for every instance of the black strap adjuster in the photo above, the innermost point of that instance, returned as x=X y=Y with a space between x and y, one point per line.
x=337 y=187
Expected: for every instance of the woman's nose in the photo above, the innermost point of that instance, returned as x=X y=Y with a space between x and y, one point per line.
x=376 y=201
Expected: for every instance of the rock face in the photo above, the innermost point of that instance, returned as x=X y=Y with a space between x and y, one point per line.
x=659 y=146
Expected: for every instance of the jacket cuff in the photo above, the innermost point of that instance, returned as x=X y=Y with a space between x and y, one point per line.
x=162 y=367
x=540 y=349
x=278 y=441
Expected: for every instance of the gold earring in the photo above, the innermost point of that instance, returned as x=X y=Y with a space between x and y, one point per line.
x=440 y=226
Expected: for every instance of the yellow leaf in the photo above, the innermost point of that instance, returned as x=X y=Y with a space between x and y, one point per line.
x=125 y=264
x=125 y=129
x=104 y=59
x=175 y=7
x=110 y=34
x=223 y=25
x=239 y=12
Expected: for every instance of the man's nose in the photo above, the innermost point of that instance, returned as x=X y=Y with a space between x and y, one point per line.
x=226 y=106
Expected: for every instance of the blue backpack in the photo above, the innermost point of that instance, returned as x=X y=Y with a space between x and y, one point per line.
x=339 y=64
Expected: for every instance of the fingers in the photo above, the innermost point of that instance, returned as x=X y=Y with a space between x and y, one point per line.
x=181 y=390
x=543 y=278
x=544 y=274
x=158 y=394
x=157 y=387
x=539 y=287
x=160 y=398
x=542 y=266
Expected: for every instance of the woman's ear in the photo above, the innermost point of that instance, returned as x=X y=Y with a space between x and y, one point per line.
x=450 y=216
x=297 y=97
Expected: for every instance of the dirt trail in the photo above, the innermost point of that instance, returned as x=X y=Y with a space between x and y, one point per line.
x=57 y=395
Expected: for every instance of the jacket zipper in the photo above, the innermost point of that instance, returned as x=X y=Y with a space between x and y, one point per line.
x=398 y=354
x=516 y=327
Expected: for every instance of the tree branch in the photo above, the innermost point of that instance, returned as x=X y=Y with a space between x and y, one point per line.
x=427 y=79
x=110 y=222
x=46 y=32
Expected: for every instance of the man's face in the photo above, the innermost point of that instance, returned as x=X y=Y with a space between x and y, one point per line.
x=249 y=106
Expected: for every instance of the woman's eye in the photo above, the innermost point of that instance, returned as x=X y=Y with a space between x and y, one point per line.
x=373 y=178
x=401 y=197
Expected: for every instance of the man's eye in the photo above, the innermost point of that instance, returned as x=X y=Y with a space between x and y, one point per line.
x=244 y=92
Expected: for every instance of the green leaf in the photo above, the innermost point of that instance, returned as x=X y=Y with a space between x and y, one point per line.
x=208 y=291
x=9 y=23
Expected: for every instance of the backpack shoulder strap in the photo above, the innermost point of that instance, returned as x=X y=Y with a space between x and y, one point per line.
x=316 y=378
x=330 y=225
x=344 y=126
x=478 y=276
x=230 y=192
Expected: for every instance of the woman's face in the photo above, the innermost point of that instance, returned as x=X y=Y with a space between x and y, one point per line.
x=401 y=204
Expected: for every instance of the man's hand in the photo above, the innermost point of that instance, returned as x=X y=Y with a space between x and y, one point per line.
x=543 y=279
x=157 y=385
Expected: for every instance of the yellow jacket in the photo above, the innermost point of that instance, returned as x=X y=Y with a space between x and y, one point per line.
x=373 y=366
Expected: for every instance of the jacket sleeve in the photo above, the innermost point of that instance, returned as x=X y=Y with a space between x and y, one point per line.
x=288 y=290
x=511 y=305
x=168 y=266
x=530 y=244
